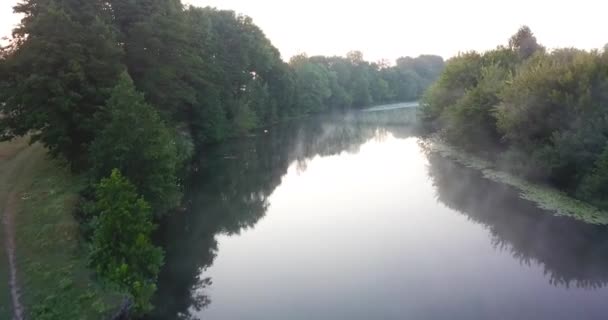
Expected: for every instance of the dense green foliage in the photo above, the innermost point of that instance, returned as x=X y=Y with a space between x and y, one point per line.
x=57 y=73
x=545 y=113
x=324 y=83
x=137 y=142
x=211 y=73
x=121 y=249
x=136 y=86
x=199 y=76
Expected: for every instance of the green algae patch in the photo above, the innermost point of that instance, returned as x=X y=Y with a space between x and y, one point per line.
x=546 y=197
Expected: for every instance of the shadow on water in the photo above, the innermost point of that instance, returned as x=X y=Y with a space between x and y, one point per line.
x=230 y=191
x=229 y=194
x=573 y=253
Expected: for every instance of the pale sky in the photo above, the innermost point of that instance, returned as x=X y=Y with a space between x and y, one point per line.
x=391 y=28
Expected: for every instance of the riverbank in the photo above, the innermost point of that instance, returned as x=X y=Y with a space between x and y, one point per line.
x=546 y=197
x=52 y=275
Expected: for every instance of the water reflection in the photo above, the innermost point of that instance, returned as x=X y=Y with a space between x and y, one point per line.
x=230 y=193
x=571 y=252
x=230 y=189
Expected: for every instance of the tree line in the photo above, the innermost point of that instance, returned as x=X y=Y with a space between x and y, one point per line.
x=542 y=114
x=127 y=91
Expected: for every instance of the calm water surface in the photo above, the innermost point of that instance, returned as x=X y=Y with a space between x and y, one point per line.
x=349 y=218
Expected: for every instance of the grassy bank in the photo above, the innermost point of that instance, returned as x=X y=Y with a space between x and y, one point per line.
x=544 y=196
x=9 y=167
x=53 y=275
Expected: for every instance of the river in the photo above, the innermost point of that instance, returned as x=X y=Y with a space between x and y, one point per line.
x=349 y=217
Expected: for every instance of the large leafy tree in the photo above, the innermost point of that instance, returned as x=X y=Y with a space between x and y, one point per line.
x=312 y=83
x=57 y=73
x=137 y=142
x=460 y=75
x=158 y=54
x=238 y=76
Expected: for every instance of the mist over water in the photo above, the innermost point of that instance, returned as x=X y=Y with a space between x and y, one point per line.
x=348 y=217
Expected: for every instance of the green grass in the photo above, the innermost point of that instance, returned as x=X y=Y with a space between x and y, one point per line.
x=5 y=298
x=9 y=167
x=53 y=274
x=544 y=196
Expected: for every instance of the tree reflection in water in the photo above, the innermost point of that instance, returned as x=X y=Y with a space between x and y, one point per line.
x=572 y=253
x=230 y=191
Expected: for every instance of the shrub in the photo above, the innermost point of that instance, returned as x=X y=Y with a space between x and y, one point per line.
x=594 y=186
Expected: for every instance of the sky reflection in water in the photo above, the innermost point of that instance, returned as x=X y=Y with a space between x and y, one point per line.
x=349 y=218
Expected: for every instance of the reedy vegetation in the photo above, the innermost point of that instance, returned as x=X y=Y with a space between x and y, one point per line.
x=126 y=91
x=541 y=115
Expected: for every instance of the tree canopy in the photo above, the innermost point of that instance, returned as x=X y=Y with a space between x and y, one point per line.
x=541 y=114
x=212 y=73
x=137 y=142
x=63 y=60
x=125 y=91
